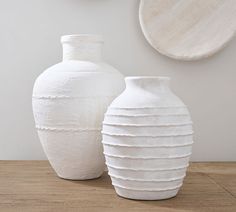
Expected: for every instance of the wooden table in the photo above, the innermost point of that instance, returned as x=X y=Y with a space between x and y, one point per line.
x=33 y=186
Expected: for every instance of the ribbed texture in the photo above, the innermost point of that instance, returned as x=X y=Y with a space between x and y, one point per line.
x=147 y=150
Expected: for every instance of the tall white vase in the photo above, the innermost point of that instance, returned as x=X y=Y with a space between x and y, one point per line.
x=147 y=140
x=69 y=102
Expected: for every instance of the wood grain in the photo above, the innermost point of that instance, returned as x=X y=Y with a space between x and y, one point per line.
x=33 y=186
x=188 y=30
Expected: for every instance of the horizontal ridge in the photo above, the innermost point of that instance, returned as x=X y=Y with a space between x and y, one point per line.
x=152 y=180
x=148 y=158
x=148 y=146
x=153 y=136
x=146 y=125
x=148 y=190
x=68 y=97
x=146 y=170
x=66 y=130
x=140 y=108
x=144 y=115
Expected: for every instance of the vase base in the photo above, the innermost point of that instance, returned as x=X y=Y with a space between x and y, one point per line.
x=146 y=195
x=80 y=178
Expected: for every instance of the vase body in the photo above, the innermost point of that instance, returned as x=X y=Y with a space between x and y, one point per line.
x=147 y=140
x=69 y=101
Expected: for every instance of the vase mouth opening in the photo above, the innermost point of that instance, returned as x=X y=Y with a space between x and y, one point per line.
x=74 y=38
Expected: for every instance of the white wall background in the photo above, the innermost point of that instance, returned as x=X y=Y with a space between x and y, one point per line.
x=29 y=43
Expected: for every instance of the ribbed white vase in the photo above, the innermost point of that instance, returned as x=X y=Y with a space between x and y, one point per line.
x=147 y=140
x=69 y=102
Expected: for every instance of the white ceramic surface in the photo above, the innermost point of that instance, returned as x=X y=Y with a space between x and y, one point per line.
x=149 y=130
x=69 y=101
x=148 y=111
x=144 y=194
x=151 y=151
x=147 y=140
x=188 y=30
x=148 y=174
x=150 y=119
x=147 y=162
x=146 y=184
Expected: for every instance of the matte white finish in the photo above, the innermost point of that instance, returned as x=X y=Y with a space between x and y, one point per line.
x=146 y=194
x=188 y=29
x=148 y=174
x=147 y=140
x=147 y=185
x=146 y=151
x=147 y=162
x=69 y=101
x=149 y=130
x=151 y=119
x=30 y=33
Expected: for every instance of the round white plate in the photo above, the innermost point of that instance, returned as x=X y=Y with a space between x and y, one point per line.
x=188 y=29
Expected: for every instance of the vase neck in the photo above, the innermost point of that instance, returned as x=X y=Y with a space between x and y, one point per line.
x=149 y=84
x=82 y=47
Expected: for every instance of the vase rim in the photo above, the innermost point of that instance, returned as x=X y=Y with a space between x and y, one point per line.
x=82 y=37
